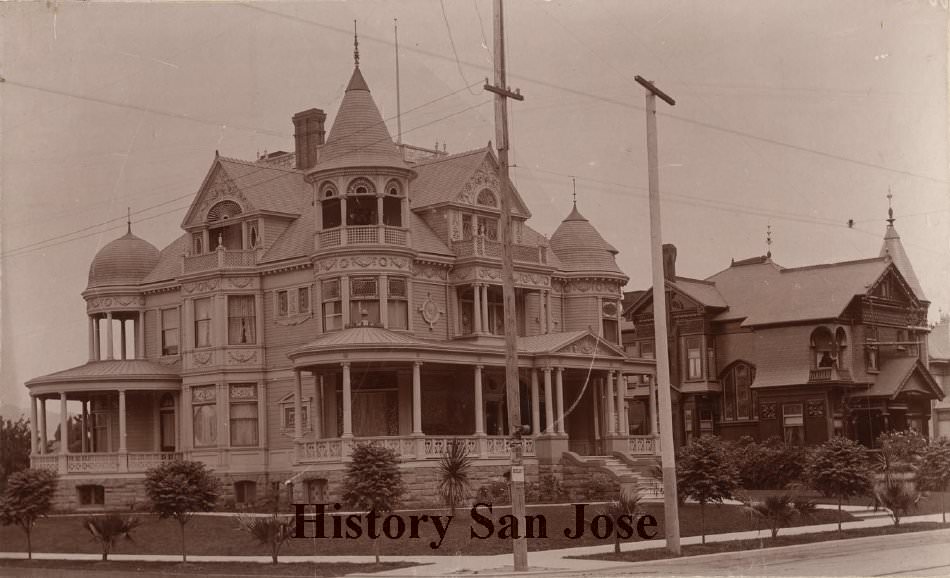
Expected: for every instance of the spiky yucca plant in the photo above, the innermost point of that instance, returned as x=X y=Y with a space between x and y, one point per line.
x=777 y=511
x=626 y=504
x=108 y=529
x=270 y=531
x=898 y=498
x=454 y=468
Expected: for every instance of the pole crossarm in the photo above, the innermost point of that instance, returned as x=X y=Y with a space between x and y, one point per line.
x=505 y=92
x=656 y=91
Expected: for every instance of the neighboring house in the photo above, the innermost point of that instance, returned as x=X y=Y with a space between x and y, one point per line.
x=348 y=291
x=802 y=353
x=938 y=348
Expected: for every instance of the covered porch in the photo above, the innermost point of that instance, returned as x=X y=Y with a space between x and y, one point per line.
x=114 y=416
x=416 y=397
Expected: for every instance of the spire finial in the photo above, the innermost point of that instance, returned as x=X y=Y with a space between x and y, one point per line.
x=890 y=209
x=574 y=185
x=356 y=47
x=768 y=241
x=128 y=218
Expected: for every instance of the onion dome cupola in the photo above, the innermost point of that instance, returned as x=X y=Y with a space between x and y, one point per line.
x=125 y=261
x=581 y=248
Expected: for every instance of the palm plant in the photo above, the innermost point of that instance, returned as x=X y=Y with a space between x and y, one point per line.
x=270 y=531
x=626 y=504
x=898 y=498
x=454 y=468
x=107 y=530
x=777 y=511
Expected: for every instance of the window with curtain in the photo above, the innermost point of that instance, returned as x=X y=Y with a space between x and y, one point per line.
x=241 y=320
x=303 y=300
x=243 y=414
x=203 y=322
x=364 y=300
x=170 y=331
x=398 y=303
x=693 y=358
x=793 y=422
x=332 y=305
x=283 y=304
x=204 y=416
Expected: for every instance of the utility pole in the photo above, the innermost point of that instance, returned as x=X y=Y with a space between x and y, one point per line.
x=512 y=383
x=671 y=507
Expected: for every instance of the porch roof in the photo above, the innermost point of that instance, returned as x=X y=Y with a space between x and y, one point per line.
x=903 y=374
x=111 y=373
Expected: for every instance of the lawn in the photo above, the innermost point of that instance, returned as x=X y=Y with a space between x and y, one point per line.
x=765 y=542
x=930 y=502
x=206 y=568
x=219 y=535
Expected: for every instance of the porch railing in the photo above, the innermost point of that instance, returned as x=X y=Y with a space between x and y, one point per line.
x=101 y=462
x=407 y=447
x=644 y=445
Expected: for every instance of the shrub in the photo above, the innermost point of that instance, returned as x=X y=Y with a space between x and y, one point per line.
x=454 y=468
x=705 y=473
x=599 y=487
x=27 y=497
x=839 y=469
x=497 y=492
x=108 y=529
x=550 y=489
x=934 y=472
x=772 y=465
x=178 y=489
x=373 y=481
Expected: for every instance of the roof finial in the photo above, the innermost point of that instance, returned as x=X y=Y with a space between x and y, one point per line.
x=768 y=241
x=890 y=209
x=128 y=218
x=356 y=47
x=574 y=185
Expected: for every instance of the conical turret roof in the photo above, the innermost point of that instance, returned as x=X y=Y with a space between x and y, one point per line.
x=893 y=248
x=359 y=137
x=580 y=247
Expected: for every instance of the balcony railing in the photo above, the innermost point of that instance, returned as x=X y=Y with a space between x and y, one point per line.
x=362 y=235
x=101 y=462
x=484 y=247
x=408 y=447
x=220 y=259
x=829 y=374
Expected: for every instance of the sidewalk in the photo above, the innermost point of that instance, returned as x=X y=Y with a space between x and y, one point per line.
x=542 y=563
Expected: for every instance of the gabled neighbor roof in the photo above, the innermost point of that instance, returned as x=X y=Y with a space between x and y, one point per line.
x=938 y=342
x=762 y=293
x=702 y=292
x=900 y=374
x=444 y=179
x=255 y=186
x=358 y=137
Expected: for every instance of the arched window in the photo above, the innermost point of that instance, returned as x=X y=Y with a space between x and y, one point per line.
x=392 y=204
x=330 y=202
x=824 y=350
x=738 y=402
x=361 y=205
x=841 y=343
x=223 y=211
x=486 y=198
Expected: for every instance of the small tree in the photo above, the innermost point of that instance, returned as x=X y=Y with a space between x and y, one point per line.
x=178 y=489
x=14 y=447
x=626 y=504
x=108 y=529
x=27 y=497
x=454 y=468
x=373 y=482
x=705 y=473
x=933 y=475
x=839 y=469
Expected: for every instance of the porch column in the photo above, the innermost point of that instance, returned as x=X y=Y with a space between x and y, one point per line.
x=140 y=336
x=535 y=404
x=548 y=402
x=559 y=388
x=611 y=426
x=383 y=287
x=417 y=398
x=176 y=397
x=597 y=403
x=317 y=418
x=485 y=326
x=96 y=332
x=63 y=425
x=298 y=406
x=34 y=426
x=479 y=407
x=122 y=346
x=347 y=402
x=380 y=235
x=92 y=342
x=44 y=444
x=85 y=427
x=621 y=393
x=548 y=314
x=477 y=308
x=123 y=434
x=651 y=401
x=110 y=347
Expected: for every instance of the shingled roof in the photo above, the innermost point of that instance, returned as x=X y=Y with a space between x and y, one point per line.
x=169 y=261
x=580 y=247
x=124 y=261
x=359 y=137
x=894 y=249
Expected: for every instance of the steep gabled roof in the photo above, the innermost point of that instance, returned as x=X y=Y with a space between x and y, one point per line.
x=894 y=249
x=702 y=292
x=359 y=137
x=903 y=374
x=458 y=178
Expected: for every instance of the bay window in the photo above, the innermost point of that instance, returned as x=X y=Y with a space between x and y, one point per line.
x=332 y=305
x=693 y=358
x=241 y=320
x=364 y=300
x=243 y=414
x=204 y=416
x=202 y=322
x=398 y=303
x=170 y=331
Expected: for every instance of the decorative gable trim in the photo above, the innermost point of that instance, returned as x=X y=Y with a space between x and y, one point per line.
x=589 y=344
x=485 y=177
x=217 y=186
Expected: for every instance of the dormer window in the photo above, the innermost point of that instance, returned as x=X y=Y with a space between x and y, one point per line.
x=824 y=350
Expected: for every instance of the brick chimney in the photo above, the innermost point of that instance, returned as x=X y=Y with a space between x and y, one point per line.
x=669 y=261
x=309 y=133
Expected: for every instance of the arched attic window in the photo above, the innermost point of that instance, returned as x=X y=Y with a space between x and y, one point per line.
x=392 y=204
x=223 y=211
x=223 y=232
x=330 y=203
x=362 y=208
x=823 y=347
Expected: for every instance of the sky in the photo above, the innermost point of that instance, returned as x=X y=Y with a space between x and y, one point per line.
x=795 y=116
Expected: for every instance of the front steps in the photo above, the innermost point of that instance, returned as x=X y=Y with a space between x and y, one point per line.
x=632 y=473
